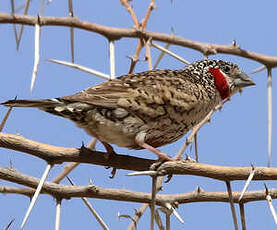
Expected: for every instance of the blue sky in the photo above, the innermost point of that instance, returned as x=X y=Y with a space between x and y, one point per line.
x=237 y=135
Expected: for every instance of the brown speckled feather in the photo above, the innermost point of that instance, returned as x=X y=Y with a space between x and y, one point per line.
x=147 y=109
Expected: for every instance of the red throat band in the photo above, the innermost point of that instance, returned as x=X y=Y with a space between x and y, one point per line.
x=221 y=83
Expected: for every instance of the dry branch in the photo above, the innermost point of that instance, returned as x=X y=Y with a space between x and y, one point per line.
x=67 y=192
x=113 y=33
x=56 y=155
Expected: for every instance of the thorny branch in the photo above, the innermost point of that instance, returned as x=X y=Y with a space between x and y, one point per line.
x=113 y=33
x=139 y=27
x=66 y=192
x=57 y=155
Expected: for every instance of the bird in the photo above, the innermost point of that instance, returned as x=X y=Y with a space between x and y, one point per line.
x=149 y=109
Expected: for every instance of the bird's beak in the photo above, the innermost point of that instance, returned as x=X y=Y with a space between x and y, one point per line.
x=243 y=80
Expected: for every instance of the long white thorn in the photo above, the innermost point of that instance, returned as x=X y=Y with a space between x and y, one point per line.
x=247 y=183
x=112 y=59
x=143 y=173
x=36 y=56
x=34 y=198
x=153 y=201
x=170 y=208
x=269 y=115
x=58 y=214
x=96 y=215
x=259 y=69
x=80 y=67
x=271 y=207
x=161 y=56
x=170 y=53
x=92 y=210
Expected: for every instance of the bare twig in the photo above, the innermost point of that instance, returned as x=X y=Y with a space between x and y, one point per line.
x=158 y=220
x=167 y=216
x=151 y=7
x=9 y=224
x=92 y=210
x=269 y=114
x=135 y=58
x=22 y=26
x=137 y=216
x=127 y=217
x=67 y=169
x=228 y=185
x=2 y=125
x=242 y=216
x=21 y=6
x=14 y=25
x=70 y=9
x=131 y=12
x=153 y=201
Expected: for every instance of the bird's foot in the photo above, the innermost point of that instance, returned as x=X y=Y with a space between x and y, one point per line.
x=110 y=151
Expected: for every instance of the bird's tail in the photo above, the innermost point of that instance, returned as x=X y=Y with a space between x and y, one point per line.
x=57 y=106
x=33 y=103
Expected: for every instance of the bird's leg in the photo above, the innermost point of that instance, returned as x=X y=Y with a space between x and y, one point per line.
x=140 y=137
x=109 y=148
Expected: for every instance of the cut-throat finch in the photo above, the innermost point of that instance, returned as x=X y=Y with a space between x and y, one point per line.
x=149 y=109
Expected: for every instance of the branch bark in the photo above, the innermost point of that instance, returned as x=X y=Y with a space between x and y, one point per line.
x=57 y=155
x=66 y=192
x=113 y=33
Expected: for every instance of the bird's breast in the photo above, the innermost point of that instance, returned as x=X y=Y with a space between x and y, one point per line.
x=115 y=126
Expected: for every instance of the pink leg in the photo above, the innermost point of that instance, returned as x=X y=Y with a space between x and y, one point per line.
x=140 y=141
x=162 y=156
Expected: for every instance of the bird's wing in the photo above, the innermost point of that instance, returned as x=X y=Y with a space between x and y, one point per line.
x=133 y=91
x=105 y=94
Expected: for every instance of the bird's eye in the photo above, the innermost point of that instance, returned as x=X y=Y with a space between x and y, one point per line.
x=226 y=69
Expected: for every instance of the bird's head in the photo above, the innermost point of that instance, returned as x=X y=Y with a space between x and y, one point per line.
x=228 y=77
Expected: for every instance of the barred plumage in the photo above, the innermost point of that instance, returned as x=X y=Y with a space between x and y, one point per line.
x=148 y=109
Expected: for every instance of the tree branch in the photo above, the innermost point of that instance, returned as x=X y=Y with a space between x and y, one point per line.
x=66 y=192
x=57 y=155
x=113 y=33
